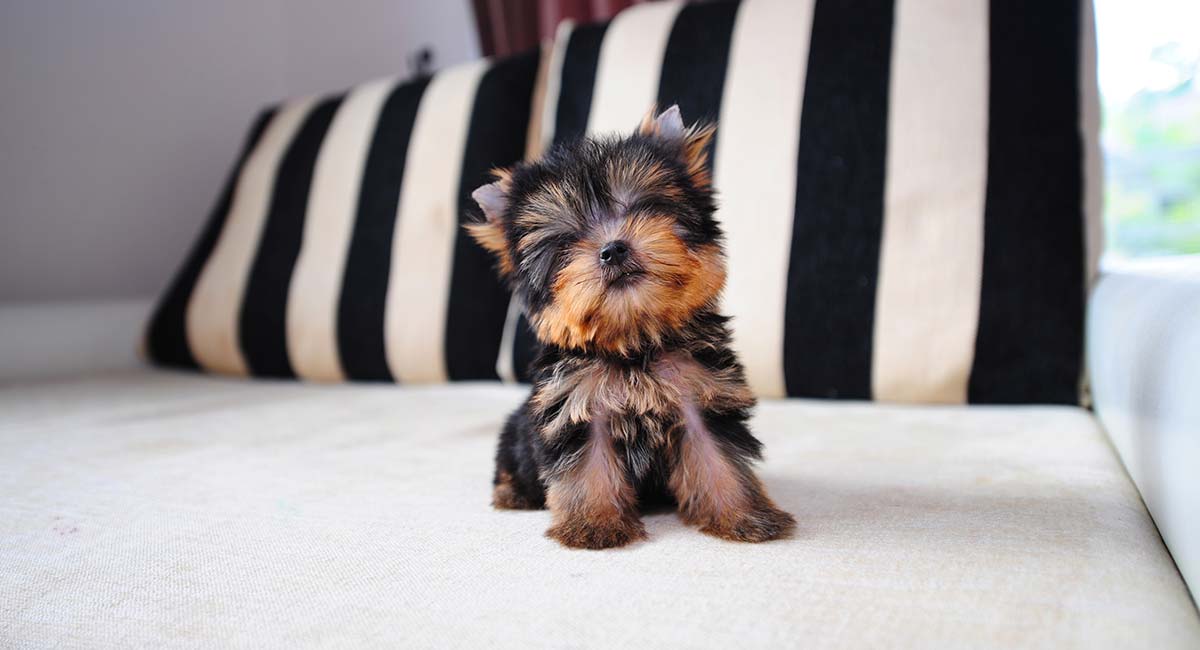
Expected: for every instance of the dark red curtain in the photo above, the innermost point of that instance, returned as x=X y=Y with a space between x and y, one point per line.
x=508 y=26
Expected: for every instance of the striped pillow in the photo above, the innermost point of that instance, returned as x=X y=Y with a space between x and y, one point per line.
x=911 y=209
x=335 y=251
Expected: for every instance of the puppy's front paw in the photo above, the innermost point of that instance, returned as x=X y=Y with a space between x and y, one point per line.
x=597 y=534
x=762 y=523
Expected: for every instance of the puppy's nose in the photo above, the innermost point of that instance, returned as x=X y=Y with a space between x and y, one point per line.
x=614 y=253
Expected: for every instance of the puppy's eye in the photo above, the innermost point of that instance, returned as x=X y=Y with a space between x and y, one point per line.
x=549 y=258
x=557 y=261
x=648 y=206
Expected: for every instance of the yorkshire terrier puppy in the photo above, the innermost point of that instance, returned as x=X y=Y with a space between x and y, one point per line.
x=637 y=399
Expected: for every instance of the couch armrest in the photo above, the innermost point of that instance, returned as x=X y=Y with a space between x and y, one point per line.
x=1144 y=358
x=55 y=339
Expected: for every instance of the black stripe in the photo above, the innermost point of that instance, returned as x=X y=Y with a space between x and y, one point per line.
x=263 y=317
x=1029 y=344
x=166 y=338
x=577 y=81
x=363 y=299
x=839 y=201
x=479 y=301
x=695 y=60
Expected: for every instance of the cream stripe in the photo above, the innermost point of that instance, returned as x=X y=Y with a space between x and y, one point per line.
x=316 y=284
x=760 y=124
x=931 y=256
x=1093 y=167
x=537 y=103
x=215 y=305
x=426 y=226
x=555 y=55
x=630 y=64
x=1093 y=161
x=505 y=364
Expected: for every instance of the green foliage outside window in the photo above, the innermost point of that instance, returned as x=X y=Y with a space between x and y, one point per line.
x=1151 y=141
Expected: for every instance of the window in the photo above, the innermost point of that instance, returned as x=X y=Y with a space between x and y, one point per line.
x=1149 y=60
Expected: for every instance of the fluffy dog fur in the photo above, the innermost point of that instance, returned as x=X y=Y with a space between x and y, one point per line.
x=637 y=399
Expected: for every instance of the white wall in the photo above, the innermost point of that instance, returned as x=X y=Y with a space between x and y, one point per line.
x=119 y=119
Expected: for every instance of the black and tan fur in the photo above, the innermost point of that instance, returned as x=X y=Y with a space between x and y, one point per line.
x=637 y=399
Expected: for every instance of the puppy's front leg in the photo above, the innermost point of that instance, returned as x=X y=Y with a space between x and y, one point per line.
x=712 y=480
x=591 y=500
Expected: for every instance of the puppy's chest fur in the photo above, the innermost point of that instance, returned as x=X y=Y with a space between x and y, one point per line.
x=644 y=407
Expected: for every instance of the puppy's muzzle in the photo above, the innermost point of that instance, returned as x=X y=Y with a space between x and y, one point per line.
x=614 y=253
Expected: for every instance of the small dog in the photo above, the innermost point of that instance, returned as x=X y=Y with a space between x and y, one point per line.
x=638 y=399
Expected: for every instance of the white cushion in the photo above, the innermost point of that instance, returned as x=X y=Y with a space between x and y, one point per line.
x=70 y=337
x=1144 y=353
x=159 y=509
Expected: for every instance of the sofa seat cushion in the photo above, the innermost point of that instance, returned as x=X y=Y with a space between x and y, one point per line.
x=151 y=508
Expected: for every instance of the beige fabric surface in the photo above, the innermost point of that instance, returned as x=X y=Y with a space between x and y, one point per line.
x=162 y=510
x=767 y=67
x=626 y=87
x=931 y=251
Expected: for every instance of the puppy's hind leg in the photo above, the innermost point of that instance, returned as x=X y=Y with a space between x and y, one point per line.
x=516 y=485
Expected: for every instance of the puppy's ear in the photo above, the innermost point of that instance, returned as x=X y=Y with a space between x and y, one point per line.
x=493 y=200
x=667 y=125
x=693 y=140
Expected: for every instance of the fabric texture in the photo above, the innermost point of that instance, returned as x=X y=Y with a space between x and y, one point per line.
x=1144 y=355
x=166 y=509
x=908 y=186
x=335 y=250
